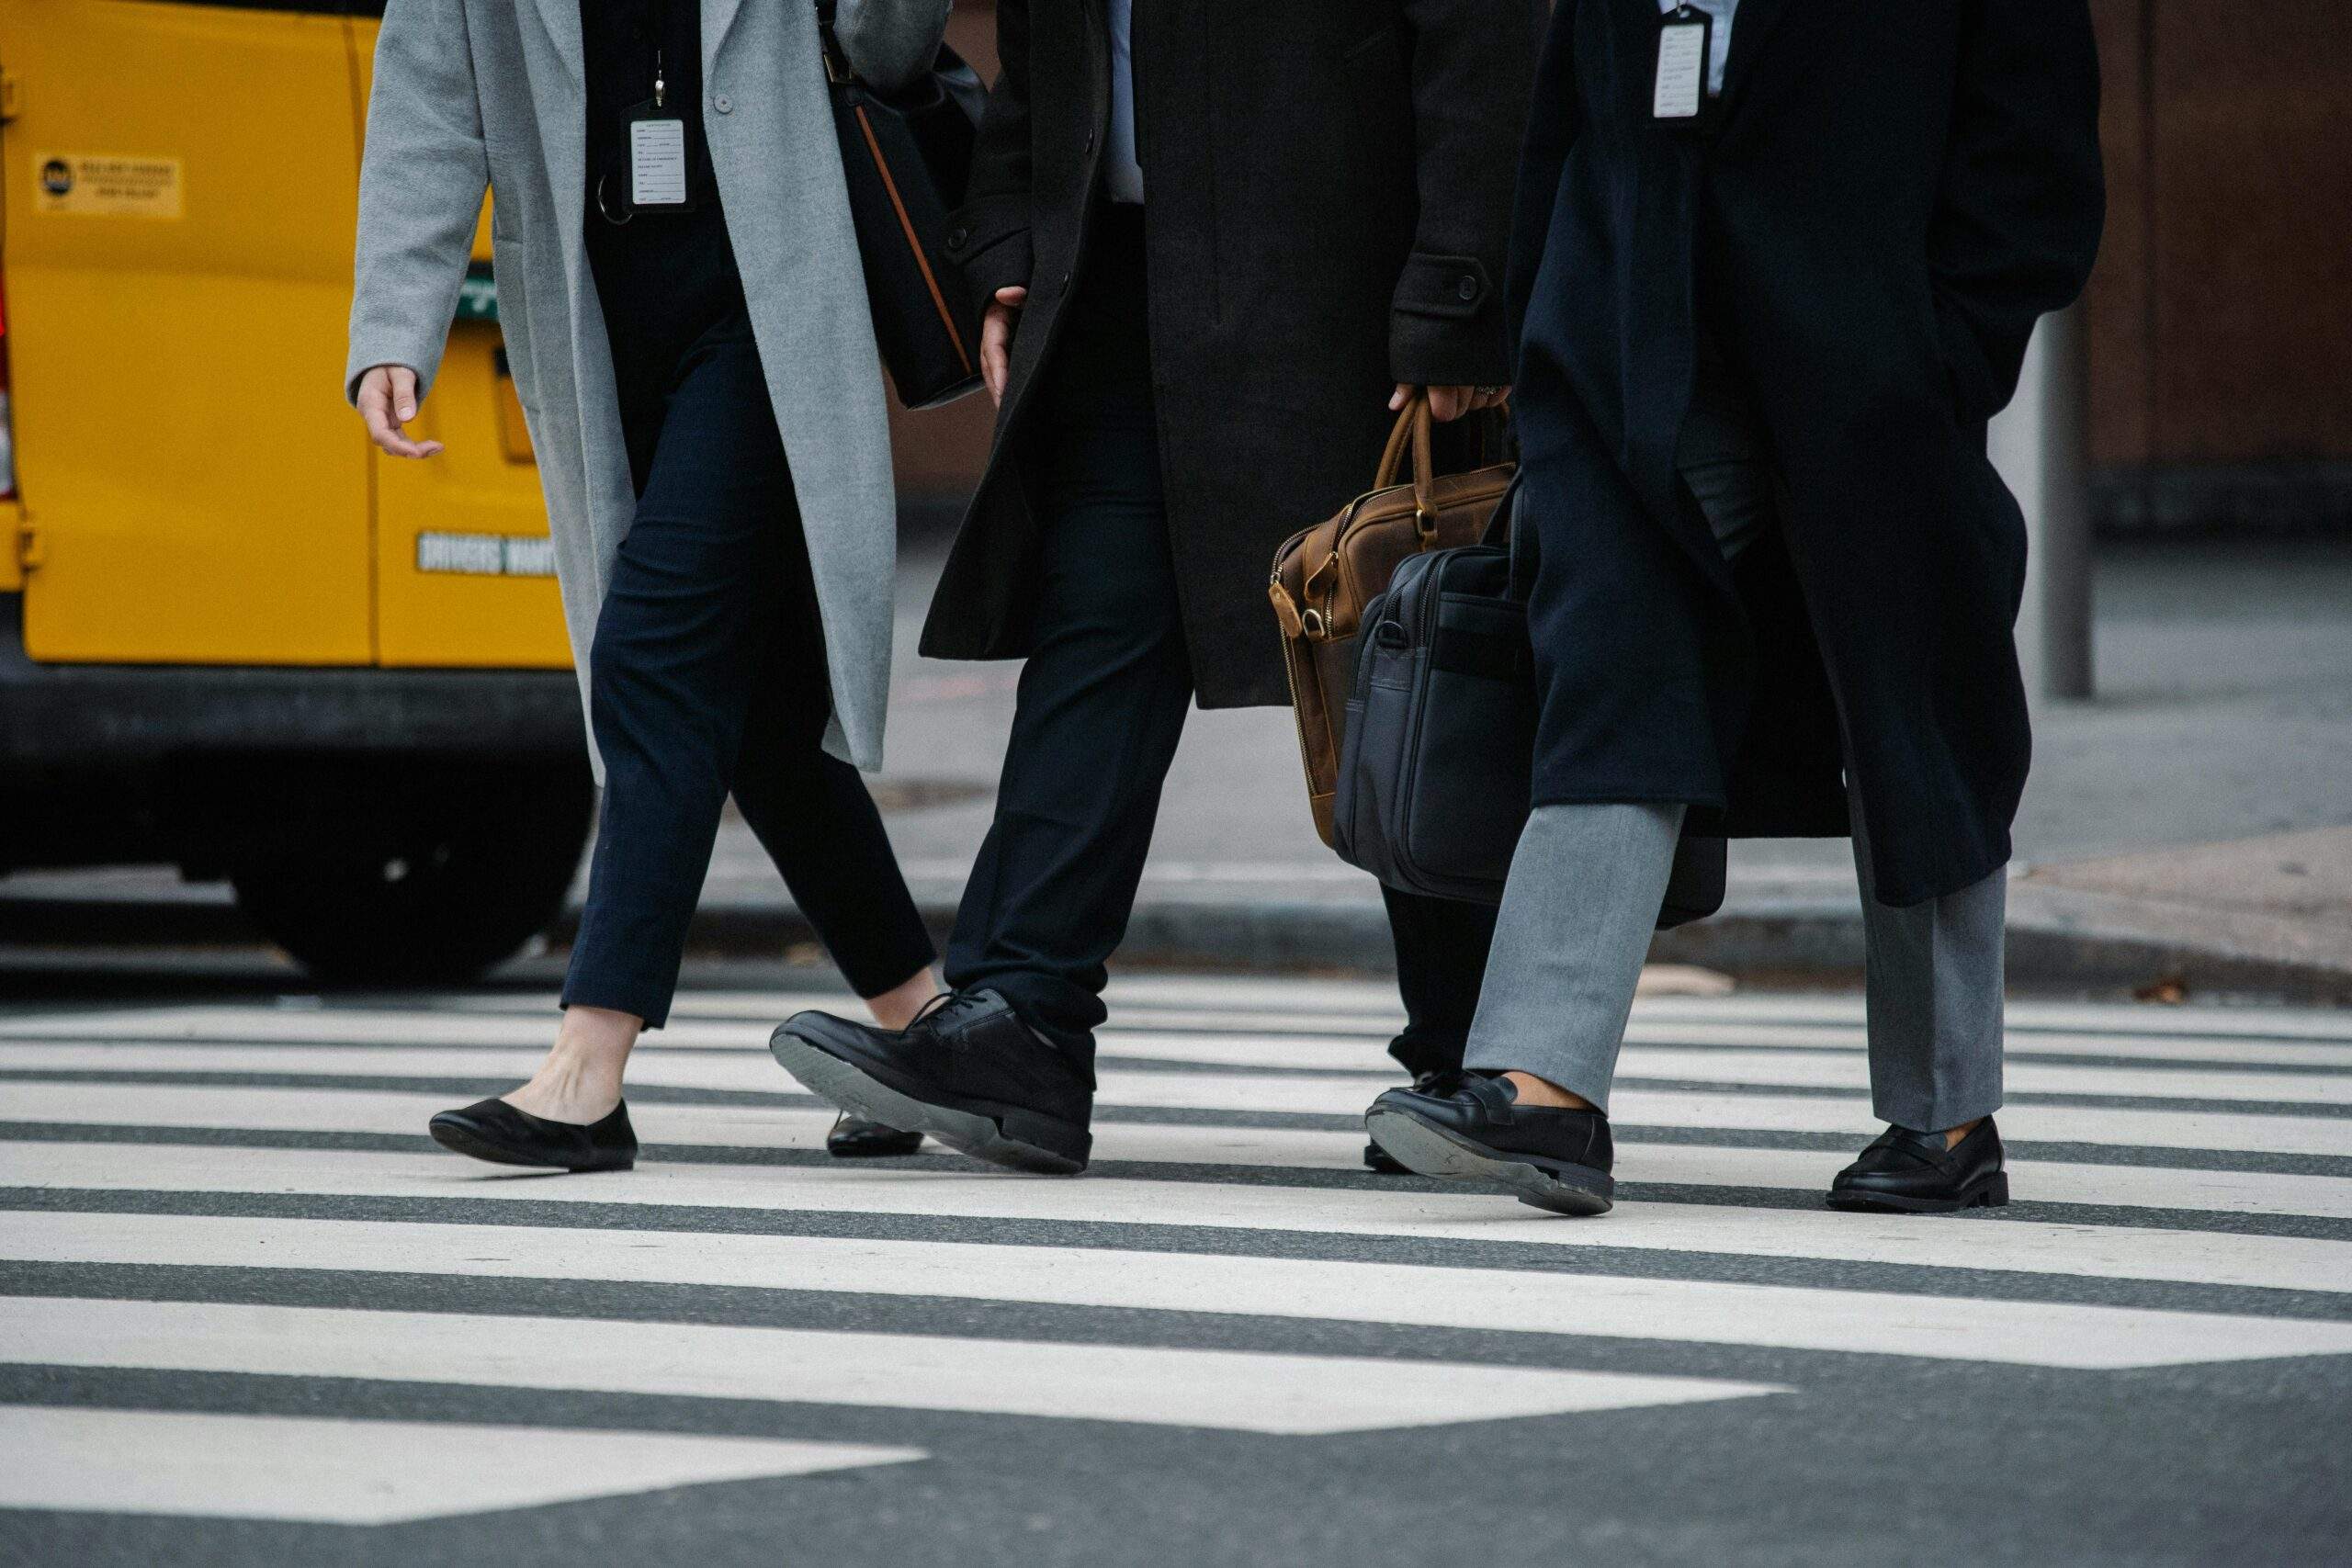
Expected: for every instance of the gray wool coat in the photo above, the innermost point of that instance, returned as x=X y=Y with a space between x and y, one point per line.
x=475 y=94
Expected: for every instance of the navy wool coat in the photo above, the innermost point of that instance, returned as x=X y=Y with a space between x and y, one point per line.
x=1886 y=198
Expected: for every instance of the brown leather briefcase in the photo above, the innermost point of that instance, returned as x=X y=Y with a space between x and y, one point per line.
x=1324 y=577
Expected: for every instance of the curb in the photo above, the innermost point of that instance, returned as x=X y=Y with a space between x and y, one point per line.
x=2059 y=939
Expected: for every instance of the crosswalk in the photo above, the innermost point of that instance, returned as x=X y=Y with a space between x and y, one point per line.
x=239 y=1283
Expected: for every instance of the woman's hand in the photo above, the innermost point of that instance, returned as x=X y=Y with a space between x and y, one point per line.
x=1451 y=402
x=996 y=340
x=388 y=401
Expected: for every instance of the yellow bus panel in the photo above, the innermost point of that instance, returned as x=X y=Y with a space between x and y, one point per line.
x=180 y=185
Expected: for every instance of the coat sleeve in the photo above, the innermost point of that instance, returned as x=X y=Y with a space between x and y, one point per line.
x=890 y=42
x=421 y=184
x=1473 y=63
x=2023 y=198
x=1552 y=125
x=989 y=234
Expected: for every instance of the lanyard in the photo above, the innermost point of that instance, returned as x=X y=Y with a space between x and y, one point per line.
x=661 y=35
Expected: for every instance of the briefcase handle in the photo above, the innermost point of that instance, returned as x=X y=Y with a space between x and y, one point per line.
x=1412 y=435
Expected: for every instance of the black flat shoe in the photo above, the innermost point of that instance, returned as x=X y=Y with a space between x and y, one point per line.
x=494 y=1131
x=1472 y=1128
x=853 y=1137
x=967 y=1071
x=1379 y=1161
x=1913 y=1173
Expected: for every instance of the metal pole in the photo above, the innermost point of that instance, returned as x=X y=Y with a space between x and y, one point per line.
x=2038 y=444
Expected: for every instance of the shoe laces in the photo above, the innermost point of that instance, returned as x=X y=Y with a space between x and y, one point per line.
x=943 y=1009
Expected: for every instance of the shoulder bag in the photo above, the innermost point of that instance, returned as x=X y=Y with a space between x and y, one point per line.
x=905 y=157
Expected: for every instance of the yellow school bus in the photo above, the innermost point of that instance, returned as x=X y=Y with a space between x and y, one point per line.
x=232 y=636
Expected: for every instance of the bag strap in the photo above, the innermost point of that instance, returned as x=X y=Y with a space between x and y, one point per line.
x=1411 y=436
x=1505 y=530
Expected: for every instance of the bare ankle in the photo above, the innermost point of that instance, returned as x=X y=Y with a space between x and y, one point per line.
x=580 y=1079
x=895 y=1008
x=1952 y=1136
x=1532 y=1090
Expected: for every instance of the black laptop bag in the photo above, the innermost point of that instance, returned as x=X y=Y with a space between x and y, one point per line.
x=1436 y=771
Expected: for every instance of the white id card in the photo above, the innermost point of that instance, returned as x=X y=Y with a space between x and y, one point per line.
x=1681 y=90
x=657 y=163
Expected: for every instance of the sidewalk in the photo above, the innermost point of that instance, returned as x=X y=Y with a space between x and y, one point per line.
x=2192 y=825
x=2194 y=822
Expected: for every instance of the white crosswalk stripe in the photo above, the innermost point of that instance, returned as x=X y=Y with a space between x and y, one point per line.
x=2184 y=1196
x=404 y=1112
x=2041 y=1334
x=277 y=1467
x=1326 y=1094
x=1243 y=1391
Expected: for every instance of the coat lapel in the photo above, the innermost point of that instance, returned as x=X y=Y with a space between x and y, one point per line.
x=561 y=18
x=718 y=16
x=1751 y=27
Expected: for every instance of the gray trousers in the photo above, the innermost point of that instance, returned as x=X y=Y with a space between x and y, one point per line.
x=1585 y=885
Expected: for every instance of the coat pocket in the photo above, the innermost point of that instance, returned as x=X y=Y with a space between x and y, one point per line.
x=509 y=269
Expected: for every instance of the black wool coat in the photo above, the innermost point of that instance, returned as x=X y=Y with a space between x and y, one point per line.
x=1887 y=198
x=1328 y=190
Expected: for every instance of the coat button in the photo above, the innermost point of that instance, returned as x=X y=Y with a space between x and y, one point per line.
x=1467 y=288
x=956 y=239
x=722 y=103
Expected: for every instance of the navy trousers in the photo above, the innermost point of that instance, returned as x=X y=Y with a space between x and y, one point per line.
x=708 y=671
x=1102 y=701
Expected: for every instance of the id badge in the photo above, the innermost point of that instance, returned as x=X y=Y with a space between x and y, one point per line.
x=1684 y=39
x=657 y=159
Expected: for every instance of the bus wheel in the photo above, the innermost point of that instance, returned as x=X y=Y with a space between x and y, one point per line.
x=428 y=886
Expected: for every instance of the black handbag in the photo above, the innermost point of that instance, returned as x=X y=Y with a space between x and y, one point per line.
x=905 y=157
x=1436 y=773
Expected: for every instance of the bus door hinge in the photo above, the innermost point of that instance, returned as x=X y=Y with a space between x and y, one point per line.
x=29 y=547
x=11 y=96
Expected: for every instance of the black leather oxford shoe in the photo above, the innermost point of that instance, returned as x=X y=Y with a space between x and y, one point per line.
x=967 y=1071
x=496 y=1131
x=1915 y=1174
x=1379 y=1160
x=853 y=1137
x=1472 y=1128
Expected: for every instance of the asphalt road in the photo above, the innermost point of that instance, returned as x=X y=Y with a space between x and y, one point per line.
x=249 y=1314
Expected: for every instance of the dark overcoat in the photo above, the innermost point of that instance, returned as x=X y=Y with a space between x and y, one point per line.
x=1887 y=198
x=1327 y=191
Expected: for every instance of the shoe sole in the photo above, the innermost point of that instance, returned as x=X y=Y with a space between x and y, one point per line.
x=1427 y=1150
x=1992 y=1192
x=875 y=1149
x=1000 y=1134
x=462 y=1141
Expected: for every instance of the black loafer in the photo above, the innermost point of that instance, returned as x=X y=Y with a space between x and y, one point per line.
x=1913 y=1173
x=967 y=1071
x=1472 y=1128
x=853 y=1137
x=1379 y=1161
x=494 y=1131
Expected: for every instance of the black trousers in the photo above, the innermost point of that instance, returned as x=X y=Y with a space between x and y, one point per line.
x=708 y=672
x=1102 y=701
